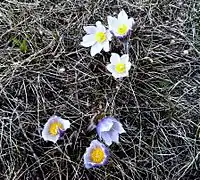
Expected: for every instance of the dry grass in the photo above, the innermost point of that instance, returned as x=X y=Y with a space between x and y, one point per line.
x=158 y=104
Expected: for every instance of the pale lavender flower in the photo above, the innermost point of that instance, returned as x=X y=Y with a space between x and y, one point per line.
x=96 y=155
x=109 y=129
x=54 y=128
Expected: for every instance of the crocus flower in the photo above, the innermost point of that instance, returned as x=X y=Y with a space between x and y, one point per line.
x=54 y=128
x=119 y=66
x=120 y=26
x=97 y=37
x=96 y=155
x=109 y=129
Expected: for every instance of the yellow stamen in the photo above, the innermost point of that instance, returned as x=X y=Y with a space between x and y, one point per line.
x=120 y=68
x=97 y=155
x=53 y=128
x=100 y=37
x=122 y=29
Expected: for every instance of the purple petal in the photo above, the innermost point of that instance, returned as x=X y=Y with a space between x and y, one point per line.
x=61 y=132
x=114 y=135
x=124 y=37
x=104 y=125
x=106 y=137
x=107 y=156
x=118 y=127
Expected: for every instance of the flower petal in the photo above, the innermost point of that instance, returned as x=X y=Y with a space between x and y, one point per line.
x=90 y=29
x=117 y=126
x=123 y=17
x=45 y=133
x=47 y=136
x=115 y=58
x=87 y=156
x=109 y=35
x=125 y=58
x=61 y=133
x=100 y=27
x=112 y=23
x=88 y=40
x=114 y=135
x=95 y=143
x=128 y=66
x=106 y=138
x=131 y=22
x=66 y=124
x=96 y=48
x=105 y=124
x=106 y=46
x=110 y=68
x=88 y=165
x=119 y=75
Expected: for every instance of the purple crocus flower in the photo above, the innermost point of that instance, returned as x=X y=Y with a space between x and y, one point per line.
x=96 y=155
x=109 y=129
x=55 y=128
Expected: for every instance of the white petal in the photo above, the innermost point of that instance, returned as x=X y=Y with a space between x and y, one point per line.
x=90 y=29
x=47 y=136
x=112 y=23
x=109 y=35
x=110 y=68
x=125 y=58
x=51 y=138
x=123 y=17
x=66 y=124
x=86 y=157
x=128 y=66
x=116 y=34
x=106 y=138
x=88 y=40
x=131 y=22
x=115 y=58
x=106 y=46
x=119 y=75
x=96 y=48
x=100 y=27
x=94 y=143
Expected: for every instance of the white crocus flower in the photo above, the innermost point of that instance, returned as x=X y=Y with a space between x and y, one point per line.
x=55 y=128
x=120 y=26
x=119 y=66
x=97 y=37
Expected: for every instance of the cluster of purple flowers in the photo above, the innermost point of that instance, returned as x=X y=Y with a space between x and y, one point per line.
x=108 y=128
x=97 y=154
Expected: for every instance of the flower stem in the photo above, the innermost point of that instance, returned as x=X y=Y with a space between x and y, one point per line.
x=126 y=47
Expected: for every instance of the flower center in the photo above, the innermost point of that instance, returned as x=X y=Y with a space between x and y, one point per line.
x=120 y=68
x=122 y=29
x=53 y=128
x=100 y=37
x=97 y=155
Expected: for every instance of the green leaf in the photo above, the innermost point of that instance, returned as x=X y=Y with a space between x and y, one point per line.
x=23 y=46
x=16 y=42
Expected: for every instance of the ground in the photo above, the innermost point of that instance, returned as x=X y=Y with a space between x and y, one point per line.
x=44 y=71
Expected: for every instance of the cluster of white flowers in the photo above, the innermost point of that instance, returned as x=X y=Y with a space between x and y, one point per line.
x=98 y=38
